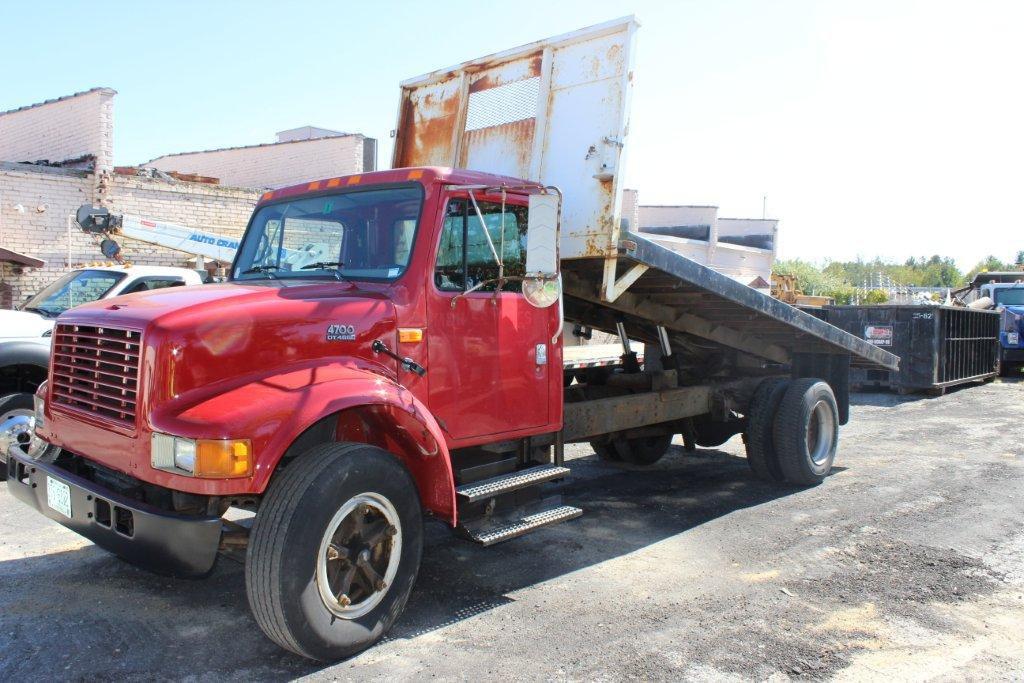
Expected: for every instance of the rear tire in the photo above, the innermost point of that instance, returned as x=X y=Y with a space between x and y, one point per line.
x=644 y=450
x=712 y=433
x=759 y=437
x=807 y=431
x=605 y=451
x=334 y=502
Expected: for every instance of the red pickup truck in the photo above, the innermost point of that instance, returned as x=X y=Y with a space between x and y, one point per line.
x=417 y=369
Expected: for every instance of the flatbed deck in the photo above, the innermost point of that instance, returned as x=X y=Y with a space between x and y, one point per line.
x=708 y=310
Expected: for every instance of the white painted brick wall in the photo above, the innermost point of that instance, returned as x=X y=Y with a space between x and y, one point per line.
x=45 y=235
x=65 y=129
x=272 y=165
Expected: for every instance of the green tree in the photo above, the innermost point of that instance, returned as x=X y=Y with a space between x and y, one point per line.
x=876 y=296
x=988 y=264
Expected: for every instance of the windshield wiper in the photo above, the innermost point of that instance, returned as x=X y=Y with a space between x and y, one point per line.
x=41 y=311
x=268 y=269
x=335 y=265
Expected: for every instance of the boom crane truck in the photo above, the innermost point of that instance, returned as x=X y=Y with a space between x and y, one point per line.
x=416 y=370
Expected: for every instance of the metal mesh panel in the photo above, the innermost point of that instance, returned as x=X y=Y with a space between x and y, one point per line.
x=503 y=104
x=970 y=344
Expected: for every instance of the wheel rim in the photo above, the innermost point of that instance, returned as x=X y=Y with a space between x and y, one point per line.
x=17 y=430
x=820 y=433
x=359 y=555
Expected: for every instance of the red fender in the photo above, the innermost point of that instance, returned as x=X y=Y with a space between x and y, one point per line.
x=370 y=408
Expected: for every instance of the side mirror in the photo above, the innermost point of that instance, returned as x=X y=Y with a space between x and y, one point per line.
x=542 y=236
x=541 y=285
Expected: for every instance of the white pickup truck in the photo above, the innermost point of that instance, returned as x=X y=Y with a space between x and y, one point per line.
x=25 y=334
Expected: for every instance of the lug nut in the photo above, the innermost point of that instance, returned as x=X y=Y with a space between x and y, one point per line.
x=344 y=600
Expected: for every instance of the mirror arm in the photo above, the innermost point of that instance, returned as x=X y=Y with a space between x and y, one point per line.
x=487 y=233
x=480 y=285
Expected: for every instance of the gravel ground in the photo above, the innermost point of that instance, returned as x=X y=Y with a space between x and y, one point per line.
x=907 y=564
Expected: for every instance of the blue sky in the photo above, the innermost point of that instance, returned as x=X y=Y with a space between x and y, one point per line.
x=889 y=128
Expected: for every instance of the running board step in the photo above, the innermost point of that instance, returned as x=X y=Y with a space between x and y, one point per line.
x=480 y=490
x=529 y=523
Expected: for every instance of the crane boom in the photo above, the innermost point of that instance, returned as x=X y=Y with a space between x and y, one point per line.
x=99 y=221
x=179 y=237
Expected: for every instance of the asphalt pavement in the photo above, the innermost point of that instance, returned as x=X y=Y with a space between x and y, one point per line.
x=906 y=564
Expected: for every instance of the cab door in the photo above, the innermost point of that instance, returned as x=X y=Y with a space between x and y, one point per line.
x=489 y=350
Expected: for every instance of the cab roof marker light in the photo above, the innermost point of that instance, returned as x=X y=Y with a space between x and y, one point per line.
x=415 y=175
x=355 y=180
x=334 y=182
x=315 y=185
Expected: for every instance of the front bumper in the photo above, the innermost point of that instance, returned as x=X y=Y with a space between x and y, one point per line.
x=161 y=541
x=1011 y=355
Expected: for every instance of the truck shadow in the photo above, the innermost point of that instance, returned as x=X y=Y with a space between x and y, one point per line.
x=84 y=614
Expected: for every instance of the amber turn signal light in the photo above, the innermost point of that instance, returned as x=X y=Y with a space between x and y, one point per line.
x=225 y=458
x=410 y=335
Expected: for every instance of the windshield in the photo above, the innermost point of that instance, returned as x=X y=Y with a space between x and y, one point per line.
x=76 y=288
x=1010 y=296
x=359 y=234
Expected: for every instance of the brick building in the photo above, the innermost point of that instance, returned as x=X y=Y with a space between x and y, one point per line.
x=290 y=160
x=57 y=155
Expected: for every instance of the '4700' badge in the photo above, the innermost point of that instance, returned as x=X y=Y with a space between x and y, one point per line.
x=341 y=332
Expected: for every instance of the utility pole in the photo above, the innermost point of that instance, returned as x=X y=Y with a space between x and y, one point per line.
x=764 y=206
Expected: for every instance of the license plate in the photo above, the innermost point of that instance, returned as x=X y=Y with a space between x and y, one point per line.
x=1012 y=338
x=58 y=496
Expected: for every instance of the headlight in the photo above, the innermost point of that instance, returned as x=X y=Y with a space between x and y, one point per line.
x=207 y=458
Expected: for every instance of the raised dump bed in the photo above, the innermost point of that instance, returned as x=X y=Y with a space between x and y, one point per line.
x=938 y=346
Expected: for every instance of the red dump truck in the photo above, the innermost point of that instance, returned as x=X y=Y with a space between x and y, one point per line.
x=417 y=369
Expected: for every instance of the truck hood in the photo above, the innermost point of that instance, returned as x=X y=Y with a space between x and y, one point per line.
x=195 y=339
x=23 y=324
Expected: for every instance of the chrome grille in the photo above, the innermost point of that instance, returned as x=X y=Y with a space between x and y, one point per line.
x=96 y=370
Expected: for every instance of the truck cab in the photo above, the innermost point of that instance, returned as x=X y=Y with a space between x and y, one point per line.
x=411 y=274
x=1008 y=299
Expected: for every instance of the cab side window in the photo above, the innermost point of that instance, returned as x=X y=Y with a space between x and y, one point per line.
x=465 y=258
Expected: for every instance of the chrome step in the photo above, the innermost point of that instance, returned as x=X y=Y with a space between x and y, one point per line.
x=479 y=490
x=525 y=525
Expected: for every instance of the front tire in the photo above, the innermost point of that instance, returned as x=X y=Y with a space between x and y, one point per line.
x=334 y=551
x=17 y=417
